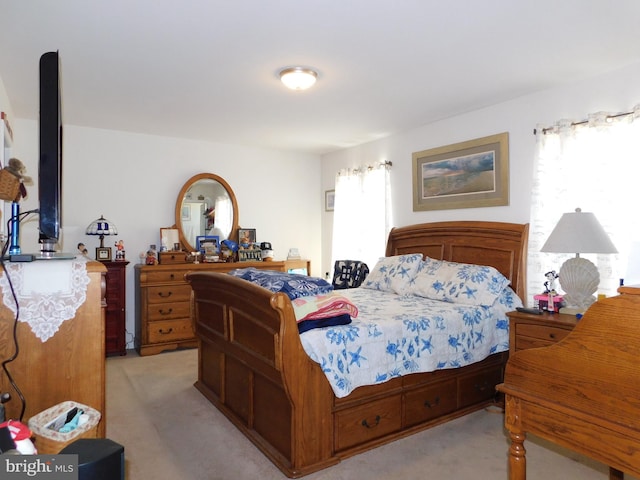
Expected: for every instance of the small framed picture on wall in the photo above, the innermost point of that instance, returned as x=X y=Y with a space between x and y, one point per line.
x=329 y=199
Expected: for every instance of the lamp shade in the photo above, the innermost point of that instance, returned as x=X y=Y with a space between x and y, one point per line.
x=101 y=227
x=578 y=232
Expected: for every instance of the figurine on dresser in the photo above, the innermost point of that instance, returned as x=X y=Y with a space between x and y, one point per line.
x=550 y=284
x=120 y=252
x=152 y=256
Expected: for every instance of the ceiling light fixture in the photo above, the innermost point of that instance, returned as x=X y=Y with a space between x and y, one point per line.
x=298 y=78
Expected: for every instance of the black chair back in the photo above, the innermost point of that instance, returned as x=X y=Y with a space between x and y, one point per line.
x=349 y=274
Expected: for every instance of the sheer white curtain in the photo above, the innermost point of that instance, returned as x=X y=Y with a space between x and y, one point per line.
x=224 y=215
x=362 y=214
x=593 y=165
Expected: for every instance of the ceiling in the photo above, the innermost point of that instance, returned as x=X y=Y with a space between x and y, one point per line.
x=207 y=69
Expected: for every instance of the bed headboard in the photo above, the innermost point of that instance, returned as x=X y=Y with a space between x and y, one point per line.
x=500 y=245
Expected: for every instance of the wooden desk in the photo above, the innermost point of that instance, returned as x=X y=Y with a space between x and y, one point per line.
x=583 y=392
x=68 y=366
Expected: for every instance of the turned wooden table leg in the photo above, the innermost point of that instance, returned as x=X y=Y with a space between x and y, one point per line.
x=615 y=474
x=517 y=459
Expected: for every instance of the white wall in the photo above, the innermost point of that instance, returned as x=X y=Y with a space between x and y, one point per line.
x=616 y=92
x=134 y=180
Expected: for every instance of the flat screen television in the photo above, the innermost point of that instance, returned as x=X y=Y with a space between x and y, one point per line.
x=50 y=149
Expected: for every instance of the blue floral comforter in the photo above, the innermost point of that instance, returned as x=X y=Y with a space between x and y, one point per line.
x=395 y=335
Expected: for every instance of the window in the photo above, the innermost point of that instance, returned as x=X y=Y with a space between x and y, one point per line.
x=362 y=214
x=593 y=165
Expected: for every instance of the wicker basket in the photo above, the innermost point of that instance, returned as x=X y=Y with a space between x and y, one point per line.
x=49 y=446
x=48 y=441
x=9 y=186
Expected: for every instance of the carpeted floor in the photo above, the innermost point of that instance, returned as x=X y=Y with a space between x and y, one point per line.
x=170 y=431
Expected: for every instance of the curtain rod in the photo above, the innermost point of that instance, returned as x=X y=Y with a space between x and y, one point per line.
x=386 y=164
x=370 y=167
x=381 y=164
x=582 y=122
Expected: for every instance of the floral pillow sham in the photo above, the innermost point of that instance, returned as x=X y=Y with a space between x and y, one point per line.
x=393 y=274
x=458 y=282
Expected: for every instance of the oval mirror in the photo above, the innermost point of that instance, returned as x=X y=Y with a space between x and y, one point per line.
x=206 y=205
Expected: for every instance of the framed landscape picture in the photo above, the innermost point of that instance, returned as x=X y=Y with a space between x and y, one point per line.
x=470 y=174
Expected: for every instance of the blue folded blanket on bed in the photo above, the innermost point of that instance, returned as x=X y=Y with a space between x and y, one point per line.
x=306 y=325
x=293 y=285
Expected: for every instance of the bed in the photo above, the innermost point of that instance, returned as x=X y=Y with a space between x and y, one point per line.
x=582 y=392
x=254 y=368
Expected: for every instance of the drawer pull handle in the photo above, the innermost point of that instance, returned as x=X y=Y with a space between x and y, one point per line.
x=428 y=404
x=366 y=424
x=171 y=276
x=167 y=312
x=165 y=295
x=161 y=331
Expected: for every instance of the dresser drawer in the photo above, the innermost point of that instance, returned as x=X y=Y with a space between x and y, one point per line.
x=169 y=330
x=358 y=425
x=169 y=293
x=429 y=402
x=172 y=258
x=478 y=387
x=547 y=333
x=164 y=277
x=168 y=311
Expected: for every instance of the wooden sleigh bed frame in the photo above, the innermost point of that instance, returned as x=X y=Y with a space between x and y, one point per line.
x=253 y=368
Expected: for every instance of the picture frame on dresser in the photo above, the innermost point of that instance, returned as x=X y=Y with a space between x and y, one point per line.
x=103 y=254
x=208 y=244
x=169 y=237
x=246 y=236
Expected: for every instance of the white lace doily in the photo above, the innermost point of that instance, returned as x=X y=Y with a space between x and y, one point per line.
x=48 y=292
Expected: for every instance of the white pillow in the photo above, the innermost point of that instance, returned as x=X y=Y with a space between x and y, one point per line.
x=458 y=282
x=393 y=274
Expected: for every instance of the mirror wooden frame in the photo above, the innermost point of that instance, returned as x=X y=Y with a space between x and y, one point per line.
x=178 y=211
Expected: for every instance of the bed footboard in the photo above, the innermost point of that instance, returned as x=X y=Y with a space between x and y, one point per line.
x=245 y=332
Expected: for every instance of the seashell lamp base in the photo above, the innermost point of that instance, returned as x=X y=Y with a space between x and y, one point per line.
x=579 y=279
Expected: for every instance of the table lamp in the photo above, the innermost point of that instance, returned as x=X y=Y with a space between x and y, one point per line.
x=578 y=232
x=102 y=227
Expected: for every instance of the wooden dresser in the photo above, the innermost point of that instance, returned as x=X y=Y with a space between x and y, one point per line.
x=163 y=308
x=115 y=313
x=68 y=366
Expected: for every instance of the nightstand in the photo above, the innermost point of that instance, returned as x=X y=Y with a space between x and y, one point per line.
x=527 y=330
